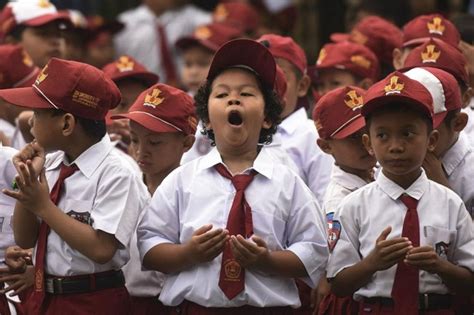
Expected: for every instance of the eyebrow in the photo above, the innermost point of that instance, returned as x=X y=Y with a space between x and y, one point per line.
x=223 y=85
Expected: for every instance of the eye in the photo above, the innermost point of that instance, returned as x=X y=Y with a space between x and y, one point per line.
x=154 y=142
x=408 y=134
x=134 y=140
x=381 y=135
x=221 y=95
x=246 y=94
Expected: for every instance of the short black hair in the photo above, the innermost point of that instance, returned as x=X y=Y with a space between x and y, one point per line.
x=450 y=116
x=272 y=110
x=96 y=129
x=400 y=108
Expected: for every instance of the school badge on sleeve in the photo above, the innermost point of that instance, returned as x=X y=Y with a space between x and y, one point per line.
x=334 y=232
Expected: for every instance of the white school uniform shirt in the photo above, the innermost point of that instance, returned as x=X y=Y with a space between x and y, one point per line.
x=469 y=129
x=7 y=204
x=139 y=38
x=285 y=214
x=297 y=135
x=364 y=214
x=104 y=193
x=458 y=163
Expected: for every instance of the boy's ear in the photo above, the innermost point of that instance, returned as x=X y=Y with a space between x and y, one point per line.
x=397 y=58
x=367 y=144
x=459 y=122
x=433 y=140
x=69 y=123
x=188 y=142
x=267 y=124
x=467 y=96
x=324 y=145
x=366 y=83
x=303 y=85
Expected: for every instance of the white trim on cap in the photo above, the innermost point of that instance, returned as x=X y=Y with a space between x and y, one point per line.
x=46 y=98
x=345 y=124
x=157 y=118
x=25 y=10
x=432 y=84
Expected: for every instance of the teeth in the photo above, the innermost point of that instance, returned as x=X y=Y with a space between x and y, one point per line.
x=235 y=118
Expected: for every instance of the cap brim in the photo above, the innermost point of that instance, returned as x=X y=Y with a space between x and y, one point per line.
x=438 y=118
x=186 y=42
x=415 y=42
x=339 y=37
x=25 y=97
x=379 y=101
x=351 y=128
x=148 y=121
x=149 y=77
x=244 y=53
x=48 y=18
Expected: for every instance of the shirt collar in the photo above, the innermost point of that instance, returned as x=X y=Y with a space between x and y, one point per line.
x=263 y=164
x=347 y=180
x=292 y=122
x=394 y=191
x=90 y=159
x=456 y=154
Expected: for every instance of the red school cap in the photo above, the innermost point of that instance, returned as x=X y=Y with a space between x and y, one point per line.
x=337 y=114
x=244 y=53
x=71 y=86
x=444 y=90
x=29 y=13
x=285 y=48
x=380 y=35
x=125 y=67
x=16 y=67
x=438 y=54
x=280 y=84
x=353 y=57
x=163 y=108
x=211 y=36
x=420 y=29
x=397 y=88
x=239 y=14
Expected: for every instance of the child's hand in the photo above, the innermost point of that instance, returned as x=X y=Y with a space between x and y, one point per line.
x=250 y=254
x=434 y=169
x=33 y=194
x=33 y=152
x=17 y=258
x=18 y=282
x=205 y=245
x=388 y=252
x=425 y=258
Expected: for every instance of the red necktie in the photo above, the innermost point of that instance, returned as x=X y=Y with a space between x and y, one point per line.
x=166 y=58
x=232 y=275
x=405 y=288
x=36 y=298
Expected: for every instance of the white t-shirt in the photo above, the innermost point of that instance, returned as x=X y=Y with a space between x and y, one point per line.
x=7 y=204
x=284 y=212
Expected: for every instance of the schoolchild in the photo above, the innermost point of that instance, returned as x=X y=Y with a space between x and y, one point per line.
x=78 y=205
x=404 y=243
x=226 y=255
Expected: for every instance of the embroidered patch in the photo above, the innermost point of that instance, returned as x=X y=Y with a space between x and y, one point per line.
x=441 y=249
x=83 y=217
x=334 y=231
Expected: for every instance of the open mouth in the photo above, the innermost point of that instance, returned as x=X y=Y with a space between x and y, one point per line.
x=235 y=118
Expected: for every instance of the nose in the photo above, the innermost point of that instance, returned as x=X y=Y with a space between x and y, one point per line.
x=396 y=146
x=233 y=102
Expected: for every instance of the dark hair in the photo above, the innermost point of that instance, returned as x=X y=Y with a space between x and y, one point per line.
x=450 y=116
x=273 y=109
x=400 y=108
x=95 y=129
x=17 y=32
x=140 y=81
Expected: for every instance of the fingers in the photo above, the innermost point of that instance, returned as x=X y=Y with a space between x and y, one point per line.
x=259 y=241
x=13 y=194
x=203 y=238
x=203 y=229
x=383 y=236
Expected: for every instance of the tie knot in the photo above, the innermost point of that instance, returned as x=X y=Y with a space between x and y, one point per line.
x=409 y=202
x=241 y=182
x=67 y=171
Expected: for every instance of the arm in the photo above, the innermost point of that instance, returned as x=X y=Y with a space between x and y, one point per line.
x=205 y=245
x=25 y=226
x=387 y=252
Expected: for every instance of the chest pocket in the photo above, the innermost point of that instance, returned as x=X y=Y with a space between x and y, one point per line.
x=79 y=210
x=441 y=239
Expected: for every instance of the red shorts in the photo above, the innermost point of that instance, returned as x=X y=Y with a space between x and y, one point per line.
x=379 y=309
x=304 y=292
x=4 y=309
x=190 y=308
x=109 y=301
x=147 y=306
x=333 y=305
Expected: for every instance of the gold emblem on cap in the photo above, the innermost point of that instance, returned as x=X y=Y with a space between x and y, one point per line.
x=220 y=13
x=42 y=76
x=322 y=56
x=232 y=270
x=125 y=64
x=358 y=37
x=430 y=55
x=27 y=59
x=153 y=99
x=202 y=32
x=353 y=100
x=436 y=26
x=361 y=61
x=192 y=121
x=318 y=124
x=44 y=4
x=394 y=87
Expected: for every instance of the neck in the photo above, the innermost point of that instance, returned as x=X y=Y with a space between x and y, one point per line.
x=152 y=181
x=366 y=175
x=75 y=148
x=405 y=180
x=238 y=160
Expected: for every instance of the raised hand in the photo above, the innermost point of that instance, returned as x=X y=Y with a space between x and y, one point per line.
x=249 y=253
x=206 y=244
